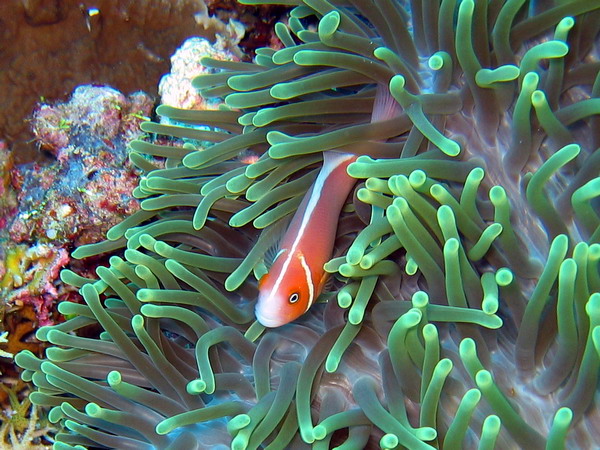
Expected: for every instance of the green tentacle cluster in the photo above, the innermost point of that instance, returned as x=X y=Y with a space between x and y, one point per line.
x=464 y=307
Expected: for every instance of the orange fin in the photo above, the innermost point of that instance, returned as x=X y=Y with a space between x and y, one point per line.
x=262 y=280
x=323 y=281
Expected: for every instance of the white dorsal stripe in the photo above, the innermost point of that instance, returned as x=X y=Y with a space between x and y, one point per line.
x=329 y=166
x=332 y=162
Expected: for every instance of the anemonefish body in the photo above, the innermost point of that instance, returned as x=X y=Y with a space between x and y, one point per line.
x=296 y=277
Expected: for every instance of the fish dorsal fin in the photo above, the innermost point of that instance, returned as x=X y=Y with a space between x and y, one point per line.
x=385 y=106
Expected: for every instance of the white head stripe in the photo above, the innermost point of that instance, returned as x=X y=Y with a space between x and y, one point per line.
x=309 y=282
x=279 y=280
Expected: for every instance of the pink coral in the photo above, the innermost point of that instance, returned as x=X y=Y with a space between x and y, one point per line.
x=99 y=110
x=47 y=209
x=88 y=188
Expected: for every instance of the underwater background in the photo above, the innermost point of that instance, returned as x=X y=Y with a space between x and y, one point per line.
x=463 y=307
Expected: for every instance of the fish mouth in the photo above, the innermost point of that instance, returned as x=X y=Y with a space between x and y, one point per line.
x=270 y=322
x=270 y=319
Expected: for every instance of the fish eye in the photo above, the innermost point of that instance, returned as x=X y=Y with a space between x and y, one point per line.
x=294 y=298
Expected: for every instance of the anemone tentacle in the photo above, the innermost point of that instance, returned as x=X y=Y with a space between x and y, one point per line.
x=465 y=308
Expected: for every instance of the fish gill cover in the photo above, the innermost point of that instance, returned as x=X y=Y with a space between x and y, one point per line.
x=464 y=310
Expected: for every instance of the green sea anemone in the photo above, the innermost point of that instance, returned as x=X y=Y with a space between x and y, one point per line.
x=464 y=310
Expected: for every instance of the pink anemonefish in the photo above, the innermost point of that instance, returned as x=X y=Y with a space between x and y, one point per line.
x=296 y=277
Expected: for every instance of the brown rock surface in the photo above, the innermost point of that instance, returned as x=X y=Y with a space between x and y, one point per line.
x=48 y=47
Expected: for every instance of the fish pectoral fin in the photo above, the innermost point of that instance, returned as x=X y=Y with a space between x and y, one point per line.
x=262 y=280
x=271 y=256
x=276 y=233
x=325 y=283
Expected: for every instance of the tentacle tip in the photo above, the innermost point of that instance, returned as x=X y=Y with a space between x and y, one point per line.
x=196 y=387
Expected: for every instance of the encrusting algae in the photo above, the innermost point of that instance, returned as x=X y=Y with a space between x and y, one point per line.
x=464 y=306
x=21 y=427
